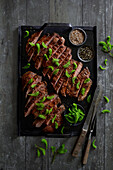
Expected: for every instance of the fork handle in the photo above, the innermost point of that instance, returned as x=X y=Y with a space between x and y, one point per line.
x=85 y=158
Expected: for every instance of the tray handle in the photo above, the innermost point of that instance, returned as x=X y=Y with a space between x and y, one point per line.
x=57 y=24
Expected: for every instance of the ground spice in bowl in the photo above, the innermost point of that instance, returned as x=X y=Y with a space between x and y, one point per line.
x=77 y=36
x=85 y=53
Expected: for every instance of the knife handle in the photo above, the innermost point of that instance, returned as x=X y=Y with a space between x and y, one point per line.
x=87 y=151
x=79 y=143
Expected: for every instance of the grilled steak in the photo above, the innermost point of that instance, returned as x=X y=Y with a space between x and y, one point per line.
x=87 y=87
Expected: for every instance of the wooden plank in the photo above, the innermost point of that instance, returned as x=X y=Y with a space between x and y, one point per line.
x=109 y=91
x=12 y=147
x=65 y=12
x=37 y=14
x=91 y=10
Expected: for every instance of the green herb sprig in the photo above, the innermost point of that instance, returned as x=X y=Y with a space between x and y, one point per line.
x=51 y=67
x=75 y=65
x=27 y=66
x=48 y=111
x=87 y=80
x=40 y=149
x=27 y=34
x=38 y=48
x=93 y=144
x=102 y=68
x=67 y=64
x=89 y=98
x=53 y=120
x=50 y=97
x=106 y=98
x=56 y=71
x=30 y=81
x=67 y=74
x=32 y=44
x=33 y=85
x=73 y=79
x=50 y=52
x=106 y=111
x=83 y=91
x=60 y=150
x=42 y=116
x=77 y=85
x=44 y=45
x=62 y=130
x=106 y=46
x=45 y=55
x=34 y=94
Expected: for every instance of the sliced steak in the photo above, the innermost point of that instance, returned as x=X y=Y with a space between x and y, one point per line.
x=61 y=69
x=80 y=79
x=26 y=78
x=87 y=87
x=48 y=104
x=36 y=80
x=69 y=81
x=34 y=38
x=56 y=55
x=61 y=59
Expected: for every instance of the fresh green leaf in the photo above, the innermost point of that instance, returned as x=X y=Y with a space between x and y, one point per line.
x=67 y=64
x=53 y=119
x=62 y=130
x=45 y=142
x=27 y=34
x=72 y=71
x=57 y=64
x=102 y=43
x=75 y=65
x=50 y=97
x=67 y=74
x=42 y=100
x=56 y=71
x=33 y=85
x=42 y=116
x=51 y=67
x=106 y=98
x=75 y=106
x=87 y=80
x=102 y=68
x=30 y=81
x=40 y=108
x=55 y=60
x=32 y=44
x=108 y=39
x=45 y=55
x=80 y=118
x=104 y=49
x=93 y=144
x=50 y=52
x=34 y=94
x=89 y=98
x=73 y=79
x=56 y=125
x=38 y=153
x=27 y=66
x=43 y=150
x=105 y=61
x=50 y=111
x=83 y=91
x=61 y=149
x=44 y=45
x=38 y=47
x=77 y=85
x=53 y=148
x=40 y=104
x=106 y=111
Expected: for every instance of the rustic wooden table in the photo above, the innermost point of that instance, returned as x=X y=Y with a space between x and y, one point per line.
x=18 y=153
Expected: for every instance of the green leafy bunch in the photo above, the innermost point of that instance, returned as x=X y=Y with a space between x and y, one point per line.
x=40 y=149
x=75 y=114
x=106 y=46
x=60 y=150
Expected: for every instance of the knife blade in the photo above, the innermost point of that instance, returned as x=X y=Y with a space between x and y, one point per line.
x=91 y=113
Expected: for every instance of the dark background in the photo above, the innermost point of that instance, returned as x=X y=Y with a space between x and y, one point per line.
x=18 y=153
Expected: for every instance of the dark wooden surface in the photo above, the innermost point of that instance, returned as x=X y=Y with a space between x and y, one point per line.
x=18 y=153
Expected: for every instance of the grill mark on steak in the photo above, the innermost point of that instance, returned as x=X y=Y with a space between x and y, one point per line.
x=87 y=87
x=81 y=77
x=48 y=104
x=34 y=38
x=26 y=78
x=61 y=59
x=36 y=80
x=61 y=69
x=56 y=55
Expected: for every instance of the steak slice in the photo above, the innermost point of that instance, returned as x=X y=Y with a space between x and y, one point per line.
x=36 y=80
x=61 y=59
x=33 y=52
x=34 y=38
x=51 y=126
x=80 y=79
x=61 y=69
x=56 y=55
x=26 y=77
x=69 y=80
x=48 y=104
x=87 y=87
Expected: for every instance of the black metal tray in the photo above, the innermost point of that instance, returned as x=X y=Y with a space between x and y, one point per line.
x=25 y=124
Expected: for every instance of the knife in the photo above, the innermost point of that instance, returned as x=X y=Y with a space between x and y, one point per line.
x=91 y=114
